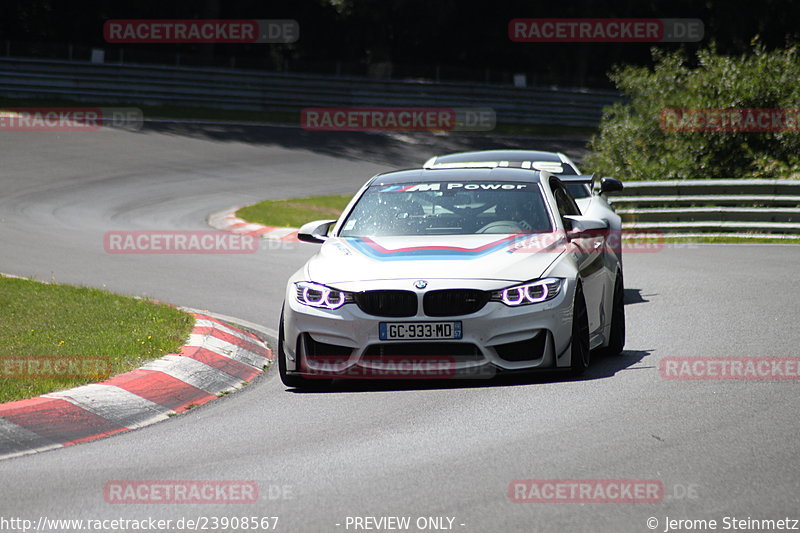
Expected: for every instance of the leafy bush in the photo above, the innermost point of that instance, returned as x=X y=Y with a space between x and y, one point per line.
x=632 y=144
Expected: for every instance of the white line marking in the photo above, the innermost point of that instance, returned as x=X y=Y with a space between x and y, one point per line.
x=115 y=404
x=227 y=349
x=203 y=323
x=271 y=334
x=195 y=373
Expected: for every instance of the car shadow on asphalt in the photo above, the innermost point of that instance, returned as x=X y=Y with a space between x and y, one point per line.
x=398 y=149
x=634 y=296
x=602 y=366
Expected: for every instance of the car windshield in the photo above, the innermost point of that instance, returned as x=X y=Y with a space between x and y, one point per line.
x=448 y=208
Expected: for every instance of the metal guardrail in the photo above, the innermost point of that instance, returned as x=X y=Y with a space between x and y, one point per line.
x=272 y=91
x=761 y=207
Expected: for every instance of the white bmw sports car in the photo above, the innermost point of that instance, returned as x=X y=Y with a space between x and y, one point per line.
x=452 y=273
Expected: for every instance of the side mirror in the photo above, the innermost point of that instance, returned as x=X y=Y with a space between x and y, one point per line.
x=315 y=232
x=610 y=185
x=580 y=226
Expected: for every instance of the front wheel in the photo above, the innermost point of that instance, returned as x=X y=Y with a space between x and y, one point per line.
x=580 y=355
x=289 y=380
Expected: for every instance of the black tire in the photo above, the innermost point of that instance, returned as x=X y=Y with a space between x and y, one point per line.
x=289 y=380
x=616 y=336
x=580 y=355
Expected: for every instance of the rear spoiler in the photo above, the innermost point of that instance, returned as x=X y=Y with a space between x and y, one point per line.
x=472 y=164
x=527 y=165
x=587 y=179
x=549 y=166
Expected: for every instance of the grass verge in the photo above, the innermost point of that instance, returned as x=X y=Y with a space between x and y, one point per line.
x=295 y=212
x=40 y=321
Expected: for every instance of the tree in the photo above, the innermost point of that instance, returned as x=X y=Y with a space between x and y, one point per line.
x=645 y=138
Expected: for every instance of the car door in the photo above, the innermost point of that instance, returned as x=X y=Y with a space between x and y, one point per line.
x=588 y=251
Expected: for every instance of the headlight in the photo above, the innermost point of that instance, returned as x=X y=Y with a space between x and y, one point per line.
x=533 y=292
x=317 y=295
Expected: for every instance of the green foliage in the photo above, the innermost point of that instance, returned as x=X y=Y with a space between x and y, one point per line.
x=632 y=145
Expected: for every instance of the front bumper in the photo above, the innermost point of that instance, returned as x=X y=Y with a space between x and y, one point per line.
x=345 y=342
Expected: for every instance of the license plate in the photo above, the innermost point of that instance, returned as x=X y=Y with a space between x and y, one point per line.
x=409 y=331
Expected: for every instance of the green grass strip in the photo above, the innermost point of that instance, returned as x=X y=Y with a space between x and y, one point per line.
x=294 y=213
x=39 y=320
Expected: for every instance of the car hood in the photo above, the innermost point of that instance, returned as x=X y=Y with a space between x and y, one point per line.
x=491 y=257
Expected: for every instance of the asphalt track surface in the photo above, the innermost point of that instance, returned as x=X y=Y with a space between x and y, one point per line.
x=720 y=448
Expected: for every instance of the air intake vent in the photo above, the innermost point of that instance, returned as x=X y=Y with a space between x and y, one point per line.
x=526 y=350
x=388 y=303
x=454 y=302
